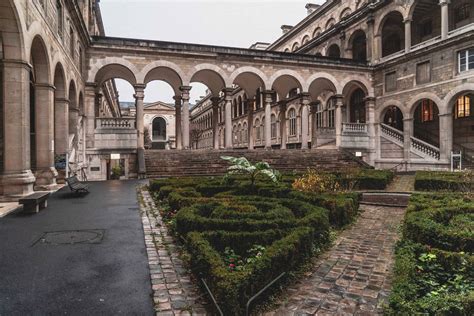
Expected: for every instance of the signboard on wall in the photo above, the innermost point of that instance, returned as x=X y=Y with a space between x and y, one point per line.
x=115 y=156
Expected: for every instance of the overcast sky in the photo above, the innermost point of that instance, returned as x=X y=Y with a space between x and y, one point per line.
x=216 y=22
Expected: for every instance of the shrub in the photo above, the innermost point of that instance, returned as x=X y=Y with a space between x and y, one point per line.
x=443 y=181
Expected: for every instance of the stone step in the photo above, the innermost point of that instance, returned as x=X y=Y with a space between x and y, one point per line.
x=208 y=162
x=385 y=199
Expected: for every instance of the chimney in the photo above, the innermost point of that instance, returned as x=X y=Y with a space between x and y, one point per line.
x=311 y=7
x=286 y=28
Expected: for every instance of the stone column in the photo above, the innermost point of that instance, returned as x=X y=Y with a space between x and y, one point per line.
x=283 y=131
x=371 y=128
x=444 y=18
x=16 y=178
x=228 y=118
x=314 y=136
x=407 y=23
x=446 y=136
x=370 y=37
x=90 y=105
x=185 y=115
x=44 y=112
x=215 y=121
x=179 y=136
x=377 y=48
x=407 y=132
x=250 y=109
x=139 y=96
x=268 y=119
x=338 y=120
x=304 y=120
x=61 y=126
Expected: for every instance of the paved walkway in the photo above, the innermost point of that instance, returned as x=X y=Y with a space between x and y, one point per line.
x=352 y=278
x=105 y=273
x=402 y=183
x=173 y=291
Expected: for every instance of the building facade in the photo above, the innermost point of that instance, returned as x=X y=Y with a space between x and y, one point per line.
x=391 y=80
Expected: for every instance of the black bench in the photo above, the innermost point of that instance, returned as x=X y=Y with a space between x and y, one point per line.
x=33 y=203
x=77 y=186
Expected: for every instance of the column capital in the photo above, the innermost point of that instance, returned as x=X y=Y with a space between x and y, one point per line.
x=228 y=91
x=407 y=20
x=185 y=89
x=64 y=100
x=177 y=100
x=139 y=95
x=44 y=86
x=215 y=101
x=305 y=98
x=16 y=63
x=369 y=99
x=444 y=2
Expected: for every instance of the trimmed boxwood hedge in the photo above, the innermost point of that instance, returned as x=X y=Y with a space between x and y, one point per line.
x=434 y=267
x=440 y=181
x=214 y=214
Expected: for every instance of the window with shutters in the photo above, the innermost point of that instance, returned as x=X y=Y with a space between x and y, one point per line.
x=391 y=81
x=423 y=72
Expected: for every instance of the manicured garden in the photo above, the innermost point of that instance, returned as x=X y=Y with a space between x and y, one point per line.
x=444 y=181
x=241 y=232
x=434 y=268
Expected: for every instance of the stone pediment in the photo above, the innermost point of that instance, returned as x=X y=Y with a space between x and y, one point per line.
x=159 y=106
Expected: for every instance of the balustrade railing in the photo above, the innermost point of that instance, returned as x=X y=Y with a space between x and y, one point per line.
x=354 y=128
x=116 y=123
x=391 y=132
x=425 y=148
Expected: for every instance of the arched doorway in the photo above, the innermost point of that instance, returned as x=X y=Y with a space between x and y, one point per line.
x=357 y=107
x=426 y=122
x=159 y=133
x=393 y=117
x=393 y=34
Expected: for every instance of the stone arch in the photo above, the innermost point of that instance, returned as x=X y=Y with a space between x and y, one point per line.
x=334 y=51
x=113 y=71
x=306 y=39
x=425 y=22
x=392 y=33
x=159 y=128
x=164 y=71
x=317 y=31
x=13 y=40
x=345 y=13
x=383 y=18
x=115 y=66
x=249 y=79
x=380 y=111
x=413 y=103
x=283 y=81
x=321 y=82
x=330 y=23
x=59 y=82
x=351 y=84
x=210 y=75
x=295 y=47
x=358 y=45
x=40 y=60
x=450 y=98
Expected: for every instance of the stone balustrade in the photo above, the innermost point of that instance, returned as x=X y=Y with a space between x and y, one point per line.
x=115 y=123
x=354 y=128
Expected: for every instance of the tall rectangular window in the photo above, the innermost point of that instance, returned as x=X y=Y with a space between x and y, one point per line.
x=423 y=73
x=71 y=43
x=319 y=116
x=463 y=107
x=391 y=81
x=466 y=60
x=274 y=126
x=427 y=111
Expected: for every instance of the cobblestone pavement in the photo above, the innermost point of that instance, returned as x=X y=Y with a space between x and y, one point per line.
x=173 y=291
x=354 y=276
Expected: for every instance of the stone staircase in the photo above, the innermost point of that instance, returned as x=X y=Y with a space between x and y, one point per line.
x=171 y=163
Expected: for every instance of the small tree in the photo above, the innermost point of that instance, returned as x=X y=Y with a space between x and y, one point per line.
x=196 y=135
x=243 y=166
x=147 y=137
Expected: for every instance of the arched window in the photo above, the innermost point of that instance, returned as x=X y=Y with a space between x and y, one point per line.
x=358 y=106
x=245 y=133
x=330 y=23
x=334 y=51
x=305 y=39
x=59 y=18
x=159 y=129
x=359 y=46
x=296 y=46
x=274 y=126
x=292 y=121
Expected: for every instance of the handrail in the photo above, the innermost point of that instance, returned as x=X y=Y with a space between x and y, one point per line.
x=392 y=132
x=354 y=127
x=424 y=148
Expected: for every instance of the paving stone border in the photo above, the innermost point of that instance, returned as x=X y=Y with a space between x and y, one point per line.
x=174 y=293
